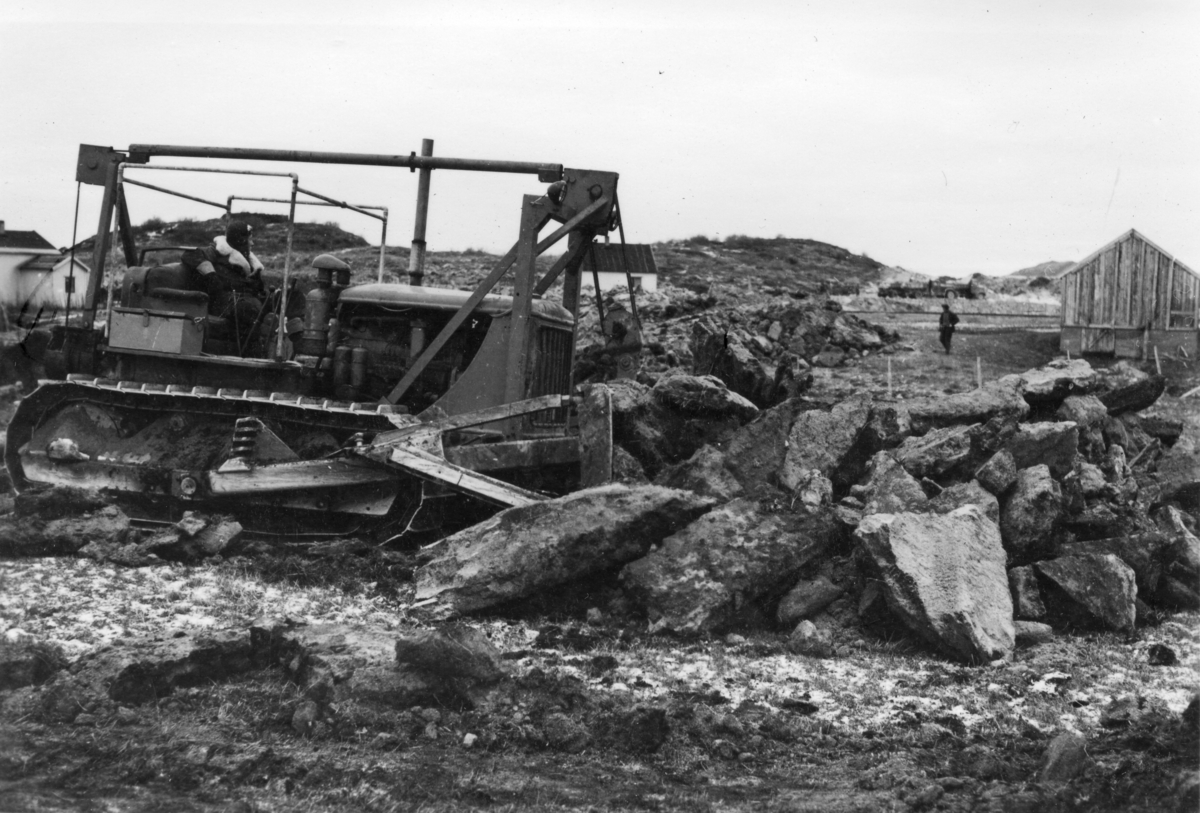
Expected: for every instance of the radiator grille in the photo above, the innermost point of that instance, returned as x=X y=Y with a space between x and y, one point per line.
x=552 y=374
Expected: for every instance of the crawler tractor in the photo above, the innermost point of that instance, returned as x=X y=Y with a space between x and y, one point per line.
x=379 y=408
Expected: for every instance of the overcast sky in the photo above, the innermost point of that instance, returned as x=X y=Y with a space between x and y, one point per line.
x=944 y=137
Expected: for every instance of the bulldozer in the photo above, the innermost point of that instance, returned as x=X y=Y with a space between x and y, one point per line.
x=382 y=408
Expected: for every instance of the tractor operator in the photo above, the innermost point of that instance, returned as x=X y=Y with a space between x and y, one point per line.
x=232 y=277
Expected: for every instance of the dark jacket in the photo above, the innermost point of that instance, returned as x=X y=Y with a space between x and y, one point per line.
x=235 y=272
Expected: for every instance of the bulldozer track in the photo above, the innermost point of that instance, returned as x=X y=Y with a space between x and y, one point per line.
x=317 y=413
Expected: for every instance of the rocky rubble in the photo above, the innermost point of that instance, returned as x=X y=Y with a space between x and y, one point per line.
x=973 y=520
x=764 y=354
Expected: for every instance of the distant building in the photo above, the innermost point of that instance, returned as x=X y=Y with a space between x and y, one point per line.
x=1128 y=298
x=609 y=262
x=35 y=274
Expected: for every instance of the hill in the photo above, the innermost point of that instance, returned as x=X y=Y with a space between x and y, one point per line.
x=1051 y=269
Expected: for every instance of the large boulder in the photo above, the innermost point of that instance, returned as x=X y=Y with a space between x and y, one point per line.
x=1179 y=469
x=525 y=549
x=1124 y=388
x=943 y=575
x=998 y=474
x=703 y=396
x=1084 y=410
x=890 y=489
x=719 y=352
x=755 y=453
x=1146 y=555
x=827 y=442
x=1050 y=384
x=936 y=453
x=1089 y=591
x=1052 y=444
x=997 y=399
x=703 y=577
x=1032 y=512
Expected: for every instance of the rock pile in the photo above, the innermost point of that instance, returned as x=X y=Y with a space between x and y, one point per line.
x=764 y=354
x=1039 y=502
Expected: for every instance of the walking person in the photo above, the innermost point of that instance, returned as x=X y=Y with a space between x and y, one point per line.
x=946 y=323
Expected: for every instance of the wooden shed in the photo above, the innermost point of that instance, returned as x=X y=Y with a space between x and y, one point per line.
x=1129 y=298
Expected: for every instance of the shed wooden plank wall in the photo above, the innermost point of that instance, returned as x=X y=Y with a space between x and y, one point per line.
x=1131 y=283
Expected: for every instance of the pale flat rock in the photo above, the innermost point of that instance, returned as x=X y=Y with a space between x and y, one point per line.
x=944 y=576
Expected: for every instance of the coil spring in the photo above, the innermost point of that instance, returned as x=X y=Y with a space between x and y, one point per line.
x=245 y=435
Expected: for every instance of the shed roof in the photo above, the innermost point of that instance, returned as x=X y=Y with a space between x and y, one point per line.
x=1123 y=237
x=24 y=240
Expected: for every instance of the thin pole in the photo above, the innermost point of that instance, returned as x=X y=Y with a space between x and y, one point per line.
x=287 y=271
x=1157 y=363
x=112 y=275
x=889 y=361
x=71 y=269
x=416 y=257
x=978 y=373
x=382 y=246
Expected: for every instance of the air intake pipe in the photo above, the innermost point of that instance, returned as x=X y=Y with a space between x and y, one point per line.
x=332 y=276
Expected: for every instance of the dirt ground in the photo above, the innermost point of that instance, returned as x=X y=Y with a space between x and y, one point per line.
x=740 y=723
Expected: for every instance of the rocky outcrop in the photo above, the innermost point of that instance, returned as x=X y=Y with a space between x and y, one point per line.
x=701 y=578
x=522 y=550
x=944 y=576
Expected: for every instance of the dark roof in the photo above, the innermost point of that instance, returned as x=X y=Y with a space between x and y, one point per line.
x=608 y=258
x=23 y=239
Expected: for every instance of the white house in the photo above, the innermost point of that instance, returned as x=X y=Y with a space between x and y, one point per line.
x=609 y=261
x=35 y=274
